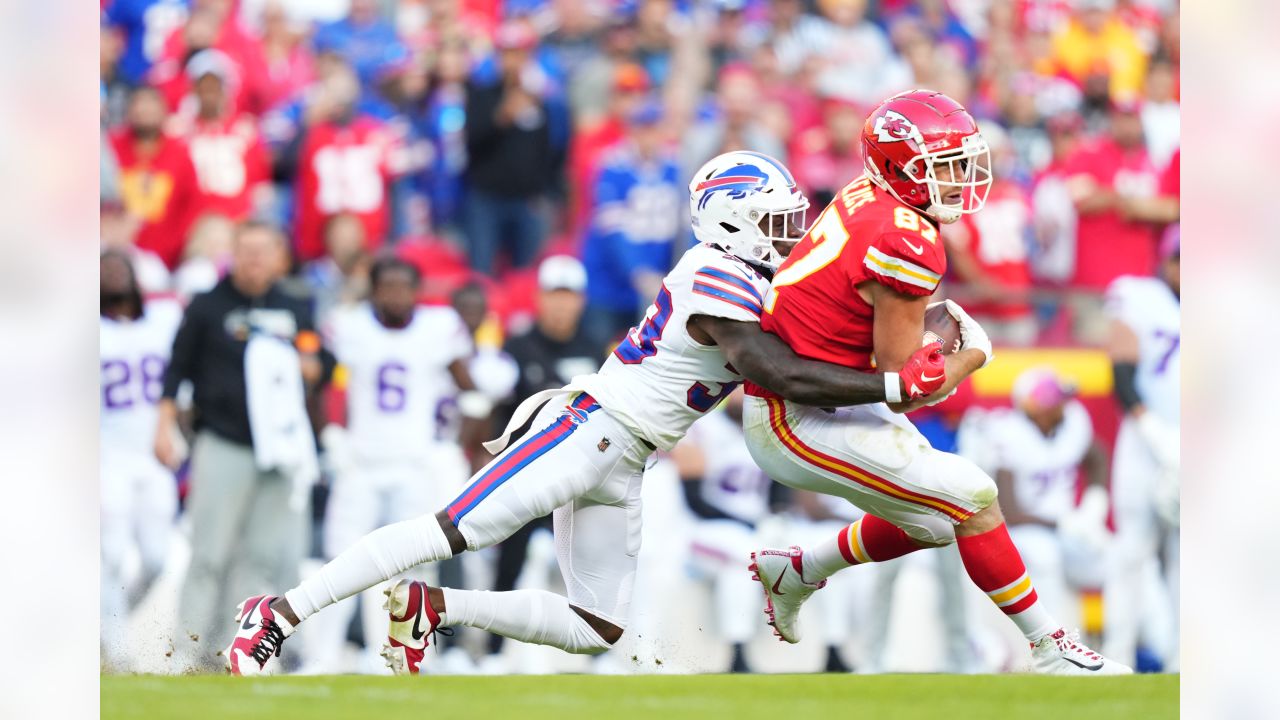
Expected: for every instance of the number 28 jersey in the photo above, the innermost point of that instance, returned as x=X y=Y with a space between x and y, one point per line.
x=134 y=354
x=659 y=380
x=396 y=378
x=865 y=234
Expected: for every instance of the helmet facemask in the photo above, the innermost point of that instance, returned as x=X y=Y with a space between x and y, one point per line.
x=771 y=226
x=970 y=174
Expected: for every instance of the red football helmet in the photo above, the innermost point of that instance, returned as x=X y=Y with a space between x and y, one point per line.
x=925 y=149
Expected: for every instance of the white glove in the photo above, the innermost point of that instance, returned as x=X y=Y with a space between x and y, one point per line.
x=1163 y=439
x=971 y=333
x=1086 y=524
x=1167 y=497
x=337 y=448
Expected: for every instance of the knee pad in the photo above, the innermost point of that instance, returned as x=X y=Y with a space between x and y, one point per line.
x=929 y=531
x=965 y=480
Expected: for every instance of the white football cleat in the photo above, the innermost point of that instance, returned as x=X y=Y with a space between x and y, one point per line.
x=784 y=589
x=1062 y=653
x=258 y=639
x=407 y=605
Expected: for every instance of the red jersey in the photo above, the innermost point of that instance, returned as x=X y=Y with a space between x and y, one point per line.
x=160 y=190
x=997 y=239
x=1107 y=245
x=343 y=169
x=230 y=161
x=864 y=235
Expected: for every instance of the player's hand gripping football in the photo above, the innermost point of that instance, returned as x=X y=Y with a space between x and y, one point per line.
x=971 y=333
x=924 y=373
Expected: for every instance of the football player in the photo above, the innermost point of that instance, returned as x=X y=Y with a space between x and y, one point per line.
x=581 y=450
x=727 y=495
x=1146 y=360
x=854 y=292
x=1035 y=451
x=139 y=495
x=400 y=362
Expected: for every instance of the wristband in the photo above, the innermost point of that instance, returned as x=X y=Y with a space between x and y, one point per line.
x=892 y=388
x=474 y=404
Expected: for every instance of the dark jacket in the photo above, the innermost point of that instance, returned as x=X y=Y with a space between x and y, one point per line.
x=507 y=161
x=209 y=350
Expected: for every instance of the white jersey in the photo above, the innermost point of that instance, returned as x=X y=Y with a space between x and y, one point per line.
x=396 y=378
x=731 y=481
x=1149 y=307
x=1044 y=469
x=659 y=380
x=134 y=355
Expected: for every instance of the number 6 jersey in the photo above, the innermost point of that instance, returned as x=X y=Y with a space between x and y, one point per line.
x=396 y=378
x=659 y=380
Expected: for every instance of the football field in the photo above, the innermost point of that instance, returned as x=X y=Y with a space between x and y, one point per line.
x=669 y=697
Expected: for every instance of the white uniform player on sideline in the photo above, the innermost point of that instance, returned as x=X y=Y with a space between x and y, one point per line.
x=1035 y=451
x=585 y=447
x=139 y=495
x=401 y=361
x=1142 y=575
x=728 y=495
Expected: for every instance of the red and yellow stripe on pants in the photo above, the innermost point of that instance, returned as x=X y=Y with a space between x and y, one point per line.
x=787 y=436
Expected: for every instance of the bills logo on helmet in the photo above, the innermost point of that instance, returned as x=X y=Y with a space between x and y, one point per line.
x=893 y=127
x=737 y=181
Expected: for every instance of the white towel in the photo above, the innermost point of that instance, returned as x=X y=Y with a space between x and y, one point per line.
x=282 y=438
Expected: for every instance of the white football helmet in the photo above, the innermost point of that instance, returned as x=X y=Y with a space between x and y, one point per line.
x=734 y=194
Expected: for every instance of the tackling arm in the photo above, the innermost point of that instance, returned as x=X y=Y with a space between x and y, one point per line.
x=767 y=361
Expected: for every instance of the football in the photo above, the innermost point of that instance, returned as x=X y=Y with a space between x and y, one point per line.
x=940 y=325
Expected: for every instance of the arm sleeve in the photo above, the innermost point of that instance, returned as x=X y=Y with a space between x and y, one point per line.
x=307 y=326
x=700 y=507
x=186 y=348
x=723 y=290
x=893 y=261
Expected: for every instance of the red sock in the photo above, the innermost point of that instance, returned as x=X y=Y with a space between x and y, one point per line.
x=870 y=539
x=994 y=565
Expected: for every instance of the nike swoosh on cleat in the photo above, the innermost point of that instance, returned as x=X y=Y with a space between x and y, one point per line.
x=417 y=630
x=778 y=582
x=248 y=618
x=1090 y=668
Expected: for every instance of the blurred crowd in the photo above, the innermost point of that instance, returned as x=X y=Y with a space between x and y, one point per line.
x=528 y=161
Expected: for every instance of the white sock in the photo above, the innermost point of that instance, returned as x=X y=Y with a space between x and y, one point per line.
x=378 y=556
x=532 y=616
x=1035 y=622
x=825 y=559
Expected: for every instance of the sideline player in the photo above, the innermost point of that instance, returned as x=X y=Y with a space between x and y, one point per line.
x=1035 y=450
x=728 y=495
x=401 y=361
x=926 y=164
x=139 y=495
x=1146 y=361
x=585 y=448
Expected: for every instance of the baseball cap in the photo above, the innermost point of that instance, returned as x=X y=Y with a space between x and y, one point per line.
x=562 y=272
x=1041 y=388
x=514 y=36
x=630 y=77
x=211 y=62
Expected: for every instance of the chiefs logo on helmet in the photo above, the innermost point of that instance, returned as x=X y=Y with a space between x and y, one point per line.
x=893 y=127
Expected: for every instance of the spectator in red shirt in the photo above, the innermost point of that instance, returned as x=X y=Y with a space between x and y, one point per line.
x=229 y=157
x=988 y=252
x=213 y=24
x=1101 y=177
x=826 y=157
x=344 y=165
x=157 y=181
x=288 y=63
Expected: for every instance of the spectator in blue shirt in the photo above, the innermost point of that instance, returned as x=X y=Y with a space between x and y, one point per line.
x=144 y=25
x=638 y=224
x=365 y=40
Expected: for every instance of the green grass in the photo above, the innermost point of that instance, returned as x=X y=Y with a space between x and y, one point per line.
x=559 y=697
